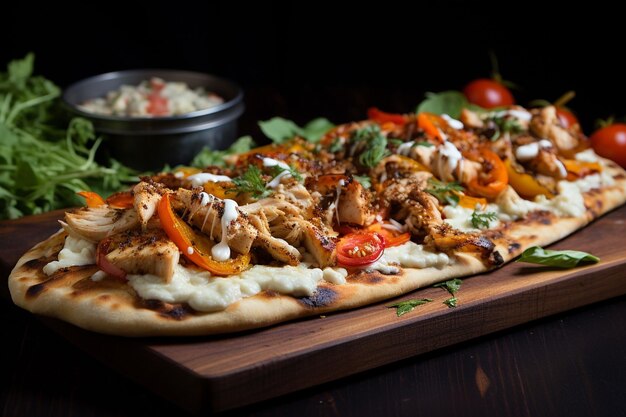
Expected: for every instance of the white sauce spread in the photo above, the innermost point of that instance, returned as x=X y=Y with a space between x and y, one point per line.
x=75 y=252
x=204 y=177
x=221 y=251
x=448 y=160
x=409 y=255
x=453 y=123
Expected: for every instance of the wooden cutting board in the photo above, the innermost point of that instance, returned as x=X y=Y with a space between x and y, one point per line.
x=220 y=373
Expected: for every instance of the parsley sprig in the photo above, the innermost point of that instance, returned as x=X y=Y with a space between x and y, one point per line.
x=277 y=170
x=374 y=142
x=251 y=182
x=452 y=286
x=444 y=191
x=481 y=220
x=505 y=124
x=403 y=307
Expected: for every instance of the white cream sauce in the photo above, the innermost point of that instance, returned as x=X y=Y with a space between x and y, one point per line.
x=221 y=251
x=204 y=177
x=75 y=252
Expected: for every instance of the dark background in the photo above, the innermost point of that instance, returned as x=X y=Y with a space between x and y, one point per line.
x=308 y=59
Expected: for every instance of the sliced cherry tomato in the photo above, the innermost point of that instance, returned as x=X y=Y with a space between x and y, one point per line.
x=432 y=124
x=610 y=142
x=104 y=264
x=92 y=199
x=157 y=105
x=492 y=182
x=360 y=249
x=195 y=246
x=121 y=200
x=524 y=184
x=488 y=93
x=382 y=117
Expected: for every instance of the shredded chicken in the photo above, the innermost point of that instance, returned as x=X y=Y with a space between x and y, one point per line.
x=96 y=223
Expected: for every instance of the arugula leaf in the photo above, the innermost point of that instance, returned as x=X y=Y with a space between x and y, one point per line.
x=44 y=160
x=280 y=130
x=251 y=182
x=364 y=180
x=481 y=220
x=444 y=191
x=403 y=307
x=446 y=102
x=375 y=144
x=207 y=157
x=558 y=258
x=451 y=302
x=452 y=286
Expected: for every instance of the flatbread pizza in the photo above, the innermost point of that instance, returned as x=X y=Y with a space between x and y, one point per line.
x=376 y=209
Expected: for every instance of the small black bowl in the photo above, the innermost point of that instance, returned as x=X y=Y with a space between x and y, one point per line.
x=147 y=143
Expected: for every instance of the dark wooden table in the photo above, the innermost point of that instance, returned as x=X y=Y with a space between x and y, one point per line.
x=571 y=364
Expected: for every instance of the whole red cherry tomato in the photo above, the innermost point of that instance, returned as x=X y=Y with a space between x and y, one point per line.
x=488 y=93
x=610 y=142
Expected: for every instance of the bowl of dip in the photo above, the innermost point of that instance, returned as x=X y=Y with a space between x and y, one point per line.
x=153 y=117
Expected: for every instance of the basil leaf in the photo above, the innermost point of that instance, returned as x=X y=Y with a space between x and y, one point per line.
x=558 y=258
x=403 y=307
x=209 y=157
x=448 y=102
x=280 y=130
x=316 y=128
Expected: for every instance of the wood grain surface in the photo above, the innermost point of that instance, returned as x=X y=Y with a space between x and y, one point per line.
x=219 y=373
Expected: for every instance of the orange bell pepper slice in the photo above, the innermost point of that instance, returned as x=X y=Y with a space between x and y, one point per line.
x=495 y=180
x=432 y=124
x=187 y=171
x=185 y=237
x=121 y=200
x=382 y=117
x=581 y=168
x=524 y=184
x=392 y=238
x=92 y=199
x=471 y=202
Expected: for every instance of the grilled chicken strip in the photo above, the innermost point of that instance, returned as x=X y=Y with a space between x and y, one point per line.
x=96 y=223
x=148 y=252
x=545 y=124
x=205 y=212
x=146 y=199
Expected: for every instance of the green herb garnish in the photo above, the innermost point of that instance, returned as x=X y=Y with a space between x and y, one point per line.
x=505 y=124
x=451 y=302
x=209 y=157
x=395 y=142
x=403 y=307
x=558 y=258
x=446 y=102
x=451 y=286
x=280 y=130
x=364 y=180
x=444 y=191
x=277 y=170
x=375 y=144
x=336 y=145
x=423 y=143
x=481 y=220
x=251 y=182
